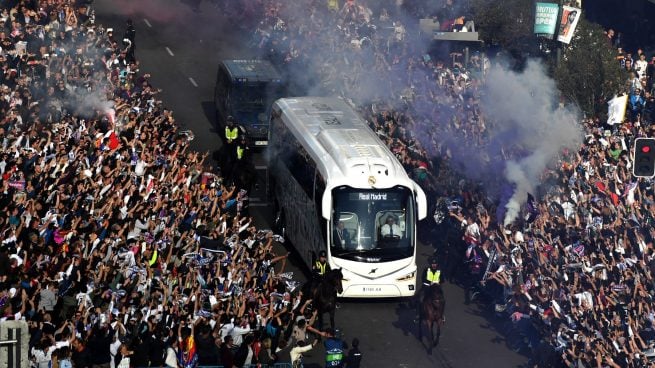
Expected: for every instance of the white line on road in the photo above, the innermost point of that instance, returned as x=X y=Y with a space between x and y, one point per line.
x=260 y=167
x=258 y=205
x=147 y=23
x=169 y=51
x=193 y=82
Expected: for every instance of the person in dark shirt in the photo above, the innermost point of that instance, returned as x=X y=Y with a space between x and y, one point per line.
x=207 y=349
x=157 y=349
x=227 y=355
x=101 y=337
x=139 y=357
x=81 y=354
x=129 y=40
x=354 y=358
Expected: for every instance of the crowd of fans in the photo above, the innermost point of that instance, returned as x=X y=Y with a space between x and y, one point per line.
x=574 y=278
x=120 y=245
x=107 y=207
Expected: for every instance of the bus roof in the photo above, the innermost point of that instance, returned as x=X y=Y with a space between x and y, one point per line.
x=252 y=70
x=338 y=138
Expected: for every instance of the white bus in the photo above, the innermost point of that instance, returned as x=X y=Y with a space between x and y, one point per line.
x=331 y=171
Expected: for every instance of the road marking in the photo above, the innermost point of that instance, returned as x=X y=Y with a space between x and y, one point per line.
x=193 y=82
x=258 y=205
x=169 y=51
x=260 y=167
x=147 y=23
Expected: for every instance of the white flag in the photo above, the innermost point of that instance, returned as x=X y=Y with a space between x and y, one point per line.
x=616 y=109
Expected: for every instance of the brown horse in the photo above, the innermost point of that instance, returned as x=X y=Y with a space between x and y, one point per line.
x=432 y=308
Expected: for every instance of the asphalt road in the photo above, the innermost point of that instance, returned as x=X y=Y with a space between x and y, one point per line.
x=181 y=50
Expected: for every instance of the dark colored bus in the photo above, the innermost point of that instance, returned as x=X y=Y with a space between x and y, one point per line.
x=245 y=90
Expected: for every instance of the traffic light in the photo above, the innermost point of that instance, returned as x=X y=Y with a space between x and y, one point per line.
x=644 y=165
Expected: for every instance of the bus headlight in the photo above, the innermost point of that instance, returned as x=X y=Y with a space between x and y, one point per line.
x=407 y=277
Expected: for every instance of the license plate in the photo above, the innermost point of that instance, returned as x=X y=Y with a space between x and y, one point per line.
x=372 y=289
x=261 y=143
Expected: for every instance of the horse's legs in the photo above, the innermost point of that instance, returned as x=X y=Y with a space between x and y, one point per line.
x=320 y=320
x=332 y=318
x=431 y=332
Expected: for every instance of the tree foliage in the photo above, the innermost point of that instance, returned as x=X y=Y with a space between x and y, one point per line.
x=588 y=73
x=507 y=23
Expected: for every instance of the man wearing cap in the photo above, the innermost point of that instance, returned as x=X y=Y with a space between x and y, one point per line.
x=231 y=131
x=243 y=171
x=432 y=275
x=320 y=267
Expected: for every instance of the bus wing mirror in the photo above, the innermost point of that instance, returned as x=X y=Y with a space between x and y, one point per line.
x=421 y=202
x=326 y=205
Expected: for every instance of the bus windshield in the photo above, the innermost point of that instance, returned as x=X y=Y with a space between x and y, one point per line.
x=372 y=225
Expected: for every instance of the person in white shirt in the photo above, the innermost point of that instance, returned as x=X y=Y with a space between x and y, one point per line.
x=390 y=229
x=171 y=355
x=240 y=330
x=641 y=65
x=301 y=347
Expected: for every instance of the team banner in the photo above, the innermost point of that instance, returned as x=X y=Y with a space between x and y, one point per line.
x=570 y=18
x=545 y=20
x=616 y=109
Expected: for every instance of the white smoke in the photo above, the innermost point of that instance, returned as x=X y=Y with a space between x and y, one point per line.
x=528 y=121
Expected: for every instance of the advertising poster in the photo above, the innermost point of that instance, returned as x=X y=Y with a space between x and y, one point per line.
x=545 y=20
x=568 y=22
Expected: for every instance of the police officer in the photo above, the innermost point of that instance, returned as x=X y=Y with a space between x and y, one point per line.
x=242 y=170
x=334 y=349
x=432 y=275
x=320 y=266
x=231 y=135
x=354 y=358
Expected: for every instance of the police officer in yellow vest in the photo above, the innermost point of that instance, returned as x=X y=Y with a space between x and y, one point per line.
x=432 y=275
x=320 y=266
x=241 y=165
x=333 y=5
x=231 y=135
x=241 y=149
x=319 y=269
x=231 y=131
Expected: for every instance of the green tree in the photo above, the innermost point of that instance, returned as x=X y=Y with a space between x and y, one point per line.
x=507 y=23
x=588 y=73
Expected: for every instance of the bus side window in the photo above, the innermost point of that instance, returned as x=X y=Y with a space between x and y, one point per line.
x=319 y=189
x=302 y=170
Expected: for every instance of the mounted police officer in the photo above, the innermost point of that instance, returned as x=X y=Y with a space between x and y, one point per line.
x=320 y=267
x=432 y=275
